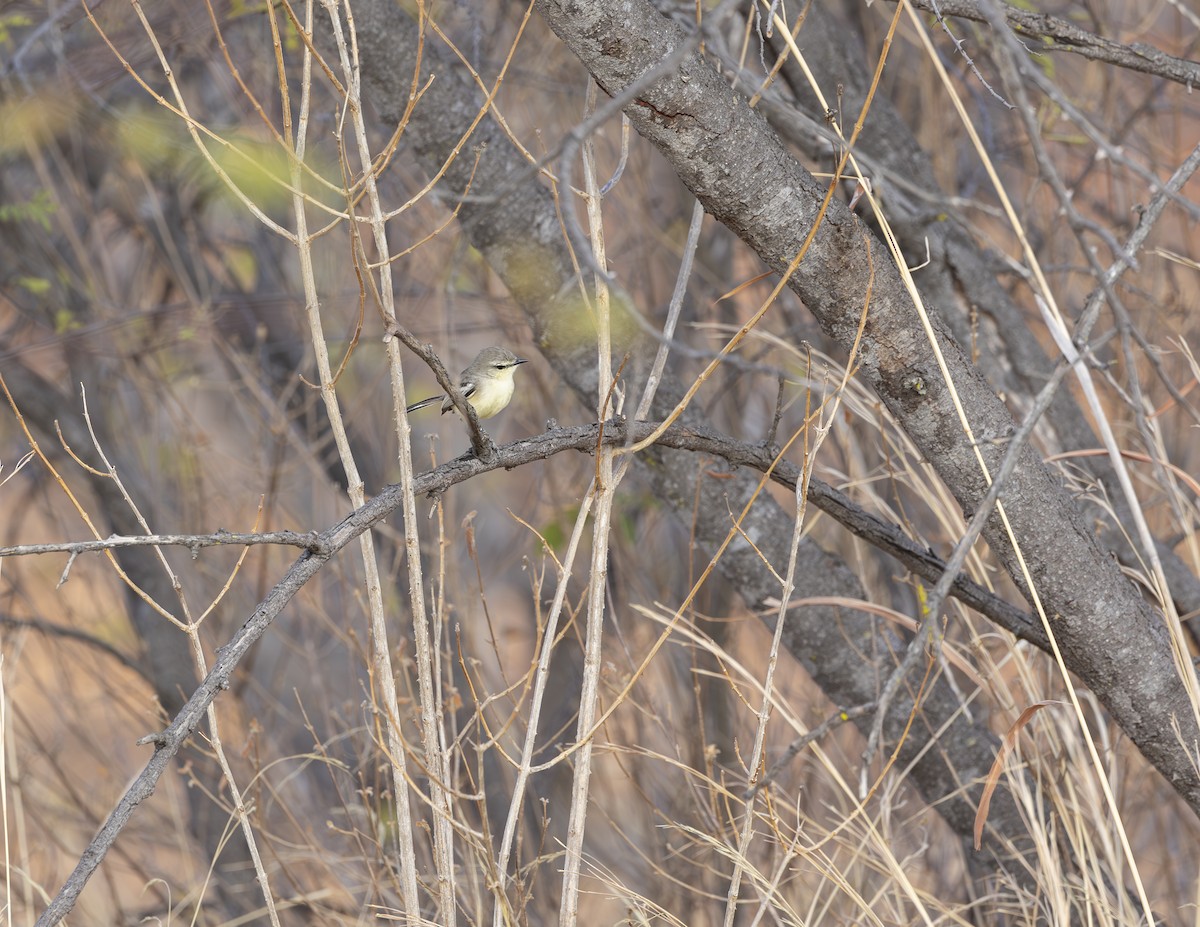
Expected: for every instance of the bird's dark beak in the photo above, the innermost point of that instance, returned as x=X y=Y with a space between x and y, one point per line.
x=521 y=360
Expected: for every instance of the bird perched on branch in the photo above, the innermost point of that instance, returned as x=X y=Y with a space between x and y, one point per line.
x=487 y=383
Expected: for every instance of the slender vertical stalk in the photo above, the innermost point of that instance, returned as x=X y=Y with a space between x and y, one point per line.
x=605 y=486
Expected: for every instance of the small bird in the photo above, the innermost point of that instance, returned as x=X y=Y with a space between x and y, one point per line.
x=487 y=383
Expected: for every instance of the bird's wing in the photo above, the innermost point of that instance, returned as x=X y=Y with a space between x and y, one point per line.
x=466 y=387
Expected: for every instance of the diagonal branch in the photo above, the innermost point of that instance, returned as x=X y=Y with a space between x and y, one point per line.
x=1061 y=35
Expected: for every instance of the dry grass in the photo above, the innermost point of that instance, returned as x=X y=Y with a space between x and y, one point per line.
x=202 y=436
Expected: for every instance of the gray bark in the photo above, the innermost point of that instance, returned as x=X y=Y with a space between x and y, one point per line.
x=727 y=155
x=956 y=276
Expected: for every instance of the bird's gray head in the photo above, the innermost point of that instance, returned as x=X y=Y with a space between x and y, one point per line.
x=495 y=358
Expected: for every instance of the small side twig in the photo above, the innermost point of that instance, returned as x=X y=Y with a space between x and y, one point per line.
x=793 y=749
x=769 y=440
x=962 y=50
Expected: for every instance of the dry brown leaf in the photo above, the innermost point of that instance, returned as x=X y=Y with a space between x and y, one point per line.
x=1006 y=746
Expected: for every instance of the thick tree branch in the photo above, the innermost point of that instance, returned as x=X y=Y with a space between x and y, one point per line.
x=957 y=275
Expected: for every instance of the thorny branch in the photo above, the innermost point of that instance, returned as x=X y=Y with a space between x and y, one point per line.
x=1060 y=35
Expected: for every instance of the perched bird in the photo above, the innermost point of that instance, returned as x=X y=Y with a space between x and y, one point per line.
x=487 y=383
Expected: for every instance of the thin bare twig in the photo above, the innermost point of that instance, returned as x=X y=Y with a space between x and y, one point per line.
x=1068 y=37
x=793 y=749
x=194 y=542
x=673 y=311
